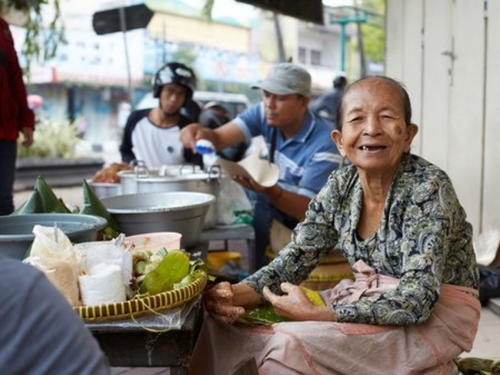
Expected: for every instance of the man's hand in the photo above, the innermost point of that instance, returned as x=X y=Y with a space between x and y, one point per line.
x=192 y=133
x=295 y=305
x=28 y=136
x=249 y=183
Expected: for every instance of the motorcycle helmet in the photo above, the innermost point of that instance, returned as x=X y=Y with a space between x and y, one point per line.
x=174 y=73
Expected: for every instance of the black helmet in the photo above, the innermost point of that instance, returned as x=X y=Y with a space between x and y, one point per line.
x=174 y=73
x=340 y=82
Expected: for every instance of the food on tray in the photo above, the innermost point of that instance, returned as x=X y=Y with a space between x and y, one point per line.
x=103 y=284
x=51 y=253
x=110 y=173
x=110 y=272
x=172 y=269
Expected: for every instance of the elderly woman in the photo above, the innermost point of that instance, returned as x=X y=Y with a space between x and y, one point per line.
x=413 y=306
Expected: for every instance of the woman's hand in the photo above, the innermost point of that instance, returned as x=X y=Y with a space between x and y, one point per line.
x=295 y=305
x=226 y=302
x=219 y=303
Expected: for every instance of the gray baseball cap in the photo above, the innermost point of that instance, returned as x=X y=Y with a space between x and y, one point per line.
x=285 y=79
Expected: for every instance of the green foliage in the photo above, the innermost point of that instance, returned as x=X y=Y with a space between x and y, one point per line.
x=43 y=36
x=51 y=140
x=374 y=34
x=207 y=10
x=184 y=55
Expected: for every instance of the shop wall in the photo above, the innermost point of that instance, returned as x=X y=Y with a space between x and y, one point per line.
x=446 y=55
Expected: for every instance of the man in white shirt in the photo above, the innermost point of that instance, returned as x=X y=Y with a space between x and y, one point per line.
x=152 y=135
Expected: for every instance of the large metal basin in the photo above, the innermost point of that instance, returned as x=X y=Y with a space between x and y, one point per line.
x=183 y=212
x=208 y=183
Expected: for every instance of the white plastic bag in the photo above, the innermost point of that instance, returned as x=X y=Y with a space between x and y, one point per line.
x=231 y=202
x=486 y=246
x=55 y=258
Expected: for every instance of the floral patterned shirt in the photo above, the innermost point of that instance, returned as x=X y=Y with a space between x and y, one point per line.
x=424 y=240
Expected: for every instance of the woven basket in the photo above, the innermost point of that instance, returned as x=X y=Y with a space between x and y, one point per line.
x=135 y=307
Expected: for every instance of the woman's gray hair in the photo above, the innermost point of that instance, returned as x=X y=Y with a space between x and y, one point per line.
x=339 y=118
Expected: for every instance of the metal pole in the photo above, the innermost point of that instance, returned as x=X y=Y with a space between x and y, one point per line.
x=279 y=38
x=361 y=47
x=342 y=46
x=123 y=25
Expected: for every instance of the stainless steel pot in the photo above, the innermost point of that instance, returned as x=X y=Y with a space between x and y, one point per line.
x=185 y=180
x=128 y=178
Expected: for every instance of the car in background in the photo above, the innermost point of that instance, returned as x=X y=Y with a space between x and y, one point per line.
x=234 y=103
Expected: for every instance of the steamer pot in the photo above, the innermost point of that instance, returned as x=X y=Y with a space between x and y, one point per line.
x=128 y=178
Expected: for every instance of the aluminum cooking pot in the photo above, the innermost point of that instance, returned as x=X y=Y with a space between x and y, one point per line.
x=128 y=178
x=208 y=183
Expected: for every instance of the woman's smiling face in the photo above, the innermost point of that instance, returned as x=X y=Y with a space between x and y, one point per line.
x=374 y=134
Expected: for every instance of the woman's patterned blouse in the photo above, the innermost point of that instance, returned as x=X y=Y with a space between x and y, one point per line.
x=424 y=240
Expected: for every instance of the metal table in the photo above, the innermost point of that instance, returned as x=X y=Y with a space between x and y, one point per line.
x=231 y=232
x=147 y=342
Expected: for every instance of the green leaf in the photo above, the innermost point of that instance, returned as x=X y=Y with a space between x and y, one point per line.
x=262 y=315
x=32 y=206
x=50 y=203
x=92 y=205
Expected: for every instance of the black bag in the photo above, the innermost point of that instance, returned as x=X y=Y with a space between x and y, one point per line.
x=489 y=283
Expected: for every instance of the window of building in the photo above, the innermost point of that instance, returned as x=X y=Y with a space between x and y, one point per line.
x=302 y=55
x=315 y=57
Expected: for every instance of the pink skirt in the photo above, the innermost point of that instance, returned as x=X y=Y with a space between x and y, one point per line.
x=312 y=347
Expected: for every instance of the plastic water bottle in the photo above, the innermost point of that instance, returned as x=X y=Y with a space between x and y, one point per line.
x=207 y=150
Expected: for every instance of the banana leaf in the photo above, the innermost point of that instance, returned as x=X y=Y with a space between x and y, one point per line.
x=92 y=205
x=42 y=200
x=32 y=205
x=265 y=314
x=262 y=315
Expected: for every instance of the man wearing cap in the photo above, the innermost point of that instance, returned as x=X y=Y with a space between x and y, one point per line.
x=298 y=143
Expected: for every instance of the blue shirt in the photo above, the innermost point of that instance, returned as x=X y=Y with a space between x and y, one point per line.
x=305 y=160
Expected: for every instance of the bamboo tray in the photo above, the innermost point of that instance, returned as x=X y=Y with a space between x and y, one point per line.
x=135 y=307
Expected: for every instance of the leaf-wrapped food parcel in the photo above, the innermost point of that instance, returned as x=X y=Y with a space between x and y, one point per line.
x=42 y=200
x=173 y=268
x=92 y=205
x=266 y=315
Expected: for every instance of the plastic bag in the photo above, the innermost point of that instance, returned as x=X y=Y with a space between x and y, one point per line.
x=486 y=246
x=233 y=205
x=52 y=254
